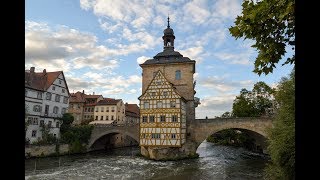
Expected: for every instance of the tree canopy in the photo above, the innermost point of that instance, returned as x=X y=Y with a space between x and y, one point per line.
x=253 y=103
x=271 y=24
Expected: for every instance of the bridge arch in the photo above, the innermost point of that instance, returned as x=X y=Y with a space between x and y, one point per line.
x=96 y=135
x=203 y=128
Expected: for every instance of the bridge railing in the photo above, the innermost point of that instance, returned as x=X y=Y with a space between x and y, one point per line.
x=267 y=118
x=116 y=125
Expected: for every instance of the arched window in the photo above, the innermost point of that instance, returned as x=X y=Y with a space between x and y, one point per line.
x=55 y=110
x=178 y=74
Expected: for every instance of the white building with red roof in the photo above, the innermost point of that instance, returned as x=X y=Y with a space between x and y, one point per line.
x=46 y=100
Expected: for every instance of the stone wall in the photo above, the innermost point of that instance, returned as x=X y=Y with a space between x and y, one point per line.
x=42 y=151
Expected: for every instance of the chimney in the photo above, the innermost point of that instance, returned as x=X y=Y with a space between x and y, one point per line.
x=44 y=71
x=32 y=69
x=82 y=91
x=93 y=93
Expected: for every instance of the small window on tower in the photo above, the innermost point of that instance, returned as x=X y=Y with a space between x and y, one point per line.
x=178 y=74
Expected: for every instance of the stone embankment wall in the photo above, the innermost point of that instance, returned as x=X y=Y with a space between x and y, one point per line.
x=48 y=150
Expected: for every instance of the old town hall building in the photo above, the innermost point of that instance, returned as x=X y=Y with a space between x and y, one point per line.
x=167 y=102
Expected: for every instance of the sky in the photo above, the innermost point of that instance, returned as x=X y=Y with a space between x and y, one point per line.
x=99 y=44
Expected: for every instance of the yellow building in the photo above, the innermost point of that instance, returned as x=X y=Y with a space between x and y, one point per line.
x=108 y=111
x=167 y=102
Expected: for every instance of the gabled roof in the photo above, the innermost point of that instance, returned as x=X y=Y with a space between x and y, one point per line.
x=168 y=83
x=41 y=80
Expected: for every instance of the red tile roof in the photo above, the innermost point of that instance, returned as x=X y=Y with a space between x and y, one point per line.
x=92 y=96
x=41 y=80
x=132 y=110
x=77 y=97
x=108 y=101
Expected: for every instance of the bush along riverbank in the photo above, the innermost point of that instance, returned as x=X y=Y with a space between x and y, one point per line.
x=74 y=140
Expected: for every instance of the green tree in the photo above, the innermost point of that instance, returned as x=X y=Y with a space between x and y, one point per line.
x=226 y=115
x=253 y=103
x=271 y=24
x=282 y=136
x=67 y=120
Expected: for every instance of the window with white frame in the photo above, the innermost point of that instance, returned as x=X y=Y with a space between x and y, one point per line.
x=162 y=118
x=159 y=104
x=53 y=88
x=155 y=136
x=62 y=90
x=49 y=124
x=174 y=118
x=57 y=124
x=57 y=98
x=39 y=95
x=97 y=109
x=55 y=110
x=102 y=109
x=144 y=119
x=107 y=109
x=172 y=104
x=60 y=81
x=96 y=118
x=112 y=118
x=41 y=122
x=101 y=118
x=37 y=108
x=151 y=119
x=65 y=100
x=34 y=133
x=112 y=109
x=48 y=96
x=165 y=93
x=173 y=136
x=146 y=105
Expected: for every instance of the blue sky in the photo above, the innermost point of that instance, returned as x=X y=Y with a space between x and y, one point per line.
x=98 y=44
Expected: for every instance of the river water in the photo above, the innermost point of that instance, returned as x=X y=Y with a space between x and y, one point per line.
x=215 y=162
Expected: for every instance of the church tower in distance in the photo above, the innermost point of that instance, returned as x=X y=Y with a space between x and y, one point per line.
x=167 y=103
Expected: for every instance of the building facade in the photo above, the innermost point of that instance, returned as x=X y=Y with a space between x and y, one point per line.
x=46 y=100
x=167 y=102
x=109 y=111
x=76 y=106
x=132 y=112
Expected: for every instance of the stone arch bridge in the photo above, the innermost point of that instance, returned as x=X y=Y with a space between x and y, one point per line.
x=100 y=130
x=198 y=130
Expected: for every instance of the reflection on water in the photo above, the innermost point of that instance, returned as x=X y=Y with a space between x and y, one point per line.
x=214 y=162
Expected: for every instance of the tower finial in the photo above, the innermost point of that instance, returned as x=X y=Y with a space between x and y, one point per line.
x=168 y=21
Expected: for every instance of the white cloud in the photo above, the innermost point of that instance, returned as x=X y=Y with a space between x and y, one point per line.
x=234 y=58
x=215 y=105
x=193 y=53
x=142 y=59
x=65 y=48
x=222 y=84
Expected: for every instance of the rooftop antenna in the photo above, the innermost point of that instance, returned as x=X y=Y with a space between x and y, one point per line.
x=168 y=21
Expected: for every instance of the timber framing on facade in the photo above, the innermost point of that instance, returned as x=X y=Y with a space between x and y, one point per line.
x=162 y=114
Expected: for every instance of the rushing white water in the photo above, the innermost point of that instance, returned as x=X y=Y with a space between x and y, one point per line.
x=215 y=162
